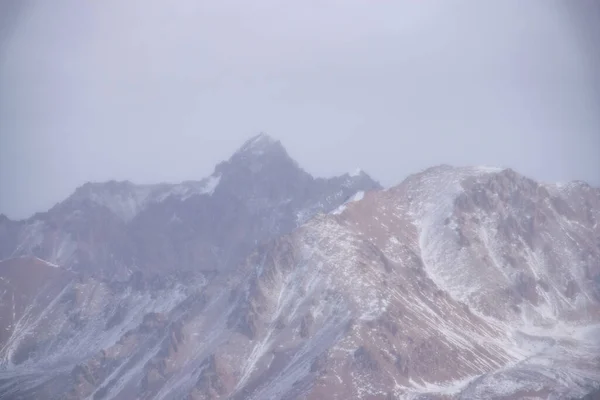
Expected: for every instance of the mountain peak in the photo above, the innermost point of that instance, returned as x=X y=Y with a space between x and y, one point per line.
x=356 y=172
x=260 y=144
x=259 y=153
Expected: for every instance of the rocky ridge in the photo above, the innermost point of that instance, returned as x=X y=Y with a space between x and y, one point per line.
x=459 y=283
x=117 y=228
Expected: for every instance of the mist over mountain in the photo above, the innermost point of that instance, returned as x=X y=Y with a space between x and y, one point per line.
x=261 y=281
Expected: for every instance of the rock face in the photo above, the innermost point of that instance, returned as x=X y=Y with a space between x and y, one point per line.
x=459 y=283
x=595 y=395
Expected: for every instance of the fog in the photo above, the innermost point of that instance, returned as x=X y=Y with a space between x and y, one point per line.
x=153 y=91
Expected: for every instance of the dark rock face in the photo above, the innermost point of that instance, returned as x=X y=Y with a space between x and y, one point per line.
x=9 y=236
x=262 y=193
x=595 y=395
x=366 y=359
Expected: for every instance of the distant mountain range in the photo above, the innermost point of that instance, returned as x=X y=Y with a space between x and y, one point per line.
x=263 y=282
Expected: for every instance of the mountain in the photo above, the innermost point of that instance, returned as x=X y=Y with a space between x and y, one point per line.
x=117 y=228
x=459 y=283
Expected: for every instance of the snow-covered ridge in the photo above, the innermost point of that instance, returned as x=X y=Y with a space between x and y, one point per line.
x=502 y=233
x=126 y=199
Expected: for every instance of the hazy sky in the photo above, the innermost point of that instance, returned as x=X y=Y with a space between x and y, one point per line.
x=154 y=90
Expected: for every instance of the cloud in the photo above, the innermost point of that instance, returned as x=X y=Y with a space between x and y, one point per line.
x=153 y=91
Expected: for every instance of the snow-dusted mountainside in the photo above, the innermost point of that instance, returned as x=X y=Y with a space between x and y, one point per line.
x=459 y=283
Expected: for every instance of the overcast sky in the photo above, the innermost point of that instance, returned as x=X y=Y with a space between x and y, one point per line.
x=153 y=90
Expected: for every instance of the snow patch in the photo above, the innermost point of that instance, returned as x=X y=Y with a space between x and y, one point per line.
x=211 y=184
x=358 y=196
x=356 y=172
x=48 y=263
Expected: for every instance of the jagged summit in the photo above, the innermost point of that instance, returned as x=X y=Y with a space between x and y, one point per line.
x=260 y=148
x=261 y=156
x=260 y=144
